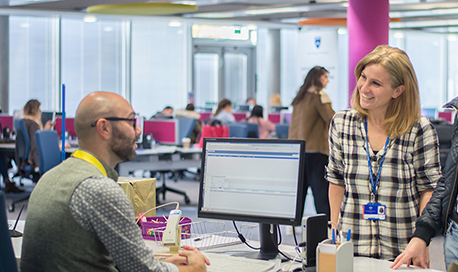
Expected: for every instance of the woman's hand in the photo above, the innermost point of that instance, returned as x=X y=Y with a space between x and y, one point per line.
x=49 y=125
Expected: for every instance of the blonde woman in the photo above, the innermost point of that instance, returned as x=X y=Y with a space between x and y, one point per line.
x=384 y=157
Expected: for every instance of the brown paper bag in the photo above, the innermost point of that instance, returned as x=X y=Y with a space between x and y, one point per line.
x=141 y=192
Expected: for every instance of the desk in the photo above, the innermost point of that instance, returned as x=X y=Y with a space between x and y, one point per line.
x=162 y=158
x=361 y=264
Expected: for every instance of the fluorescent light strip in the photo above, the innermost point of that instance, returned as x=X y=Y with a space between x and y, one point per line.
x=422 y=24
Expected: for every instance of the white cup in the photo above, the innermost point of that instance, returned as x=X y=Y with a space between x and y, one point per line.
x=186 y=142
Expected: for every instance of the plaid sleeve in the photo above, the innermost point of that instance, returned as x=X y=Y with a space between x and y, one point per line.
x=335 y=168
x=426 y=156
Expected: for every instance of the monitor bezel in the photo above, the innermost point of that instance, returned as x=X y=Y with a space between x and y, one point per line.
x=300 y=198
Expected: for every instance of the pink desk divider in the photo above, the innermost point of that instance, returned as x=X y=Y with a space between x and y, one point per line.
x=240 y=116
x=164 y=131
x=204 y=116
x=446 y=115
x=69 y=126
x=7 y=121
x=153 y=229
x=275 y=118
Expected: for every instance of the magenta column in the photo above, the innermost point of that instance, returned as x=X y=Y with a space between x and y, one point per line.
x=368 y=26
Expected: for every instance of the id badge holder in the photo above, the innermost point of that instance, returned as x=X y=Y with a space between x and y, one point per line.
x=374 y=211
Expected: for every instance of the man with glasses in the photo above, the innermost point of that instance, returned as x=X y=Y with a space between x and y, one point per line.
x=78 y=218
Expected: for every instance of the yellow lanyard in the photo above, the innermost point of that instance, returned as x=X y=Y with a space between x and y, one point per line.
x=80 y=154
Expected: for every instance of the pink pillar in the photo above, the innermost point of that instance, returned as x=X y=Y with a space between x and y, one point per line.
x=368 y=26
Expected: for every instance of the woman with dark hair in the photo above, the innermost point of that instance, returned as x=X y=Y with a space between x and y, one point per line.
x=312 y=114
x=265 y=126
x=32 y=120
x=223 y=112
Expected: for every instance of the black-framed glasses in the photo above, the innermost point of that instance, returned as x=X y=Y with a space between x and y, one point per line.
x=133 y=120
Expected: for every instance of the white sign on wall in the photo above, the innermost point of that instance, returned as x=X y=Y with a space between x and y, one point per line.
x=318 y=47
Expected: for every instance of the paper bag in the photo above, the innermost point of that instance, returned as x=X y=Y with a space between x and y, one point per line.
x=213 y=132
x=141 y=192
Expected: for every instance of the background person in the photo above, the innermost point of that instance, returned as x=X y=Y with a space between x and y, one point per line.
x=190 y=113
x=79 y=218
x=265 y=127
x=166 y=113
x=312 y=113
x=439 y=215
x=385 y=129
x=32 y=120
x=224 y=112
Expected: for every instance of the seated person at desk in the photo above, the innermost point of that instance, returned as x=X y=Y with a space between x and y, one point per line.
x=190 y=113
x=166 y=113
x=79 y=218
x=265 y=126
x=223 y=112
x=32 y=120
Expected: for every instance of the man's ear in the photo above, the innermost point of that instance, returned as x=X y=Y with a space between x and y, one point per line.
x=103 y=129
x=399 y=90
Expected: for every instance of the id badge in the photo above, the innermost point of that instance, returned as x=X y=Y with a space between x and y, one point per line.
x=374 y=211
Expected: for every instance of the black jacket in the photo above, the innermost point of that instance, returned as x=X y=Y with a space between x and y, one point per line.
x=442 y=205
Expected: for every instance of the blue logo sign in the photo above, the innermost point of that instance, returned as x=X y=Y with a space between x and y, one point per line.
x=317 y=42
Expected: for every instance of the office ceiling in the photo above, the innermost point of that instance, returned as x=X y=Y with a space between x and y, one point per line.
x=440 y=15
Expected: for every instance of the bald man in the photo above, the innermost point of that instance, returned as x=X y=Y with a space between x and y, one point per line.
x=78 y=218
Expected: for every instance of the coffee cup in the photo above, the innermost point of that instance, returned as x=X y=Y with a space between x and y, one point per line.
x=186 y=142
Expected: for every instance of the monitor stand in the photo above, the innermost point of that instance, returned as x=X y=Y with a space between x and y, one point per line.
x=269 y=244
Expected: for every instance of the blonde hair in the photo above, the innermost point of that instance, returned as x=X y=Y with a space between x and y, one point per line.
x=275 y=100
x=404 y=111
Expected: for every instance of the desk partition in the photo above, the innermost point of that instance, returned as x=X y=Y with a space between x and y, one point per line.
x=205 y=115
x=7 y=121
x=240 y=116
x=165 y=131
x=69 y=126
x=275 y=118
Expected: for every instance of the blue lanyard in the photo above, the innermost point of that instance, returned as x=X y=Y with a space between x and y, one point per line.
x=374 y=184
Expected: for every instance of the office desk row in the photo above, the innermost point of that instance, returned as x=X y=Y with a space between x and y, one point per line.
x=162 y=158
x=222 y=261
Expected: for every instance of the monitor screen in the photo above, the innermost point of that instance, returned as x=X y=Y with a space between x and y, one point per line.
x=139 y=121
x=244 y=107
x=254 y=180
x=47 y=116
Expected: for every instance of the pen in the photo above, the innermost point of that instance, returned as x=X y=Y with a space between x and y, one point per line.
x=334 y=236
x=348 y=234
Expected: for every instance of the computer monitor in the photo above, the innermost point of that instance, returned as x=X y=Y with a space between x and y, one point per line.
x=47 y=116
x=139 y=121
x=254 y=180
x=244 y=107
x=277 y=108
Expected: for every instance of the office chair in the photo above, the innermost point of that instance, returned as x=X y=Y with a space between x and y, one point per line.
x=186 y=126
x=253 y=130
x=282 y=131
x=25 y=170
x=7 y=258
x=48 y=149
x=238 y=130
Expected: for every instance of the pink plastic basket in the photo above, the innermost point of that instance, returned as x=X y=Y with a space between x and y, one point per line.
x=155 y=226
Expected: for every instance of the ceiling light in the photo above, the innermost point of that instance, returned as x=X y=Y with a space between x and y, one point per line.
x=342 y=31
x=175 y=23
x=398 y=35
x=90 y=19
x=25 y=25
x=452 y=37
